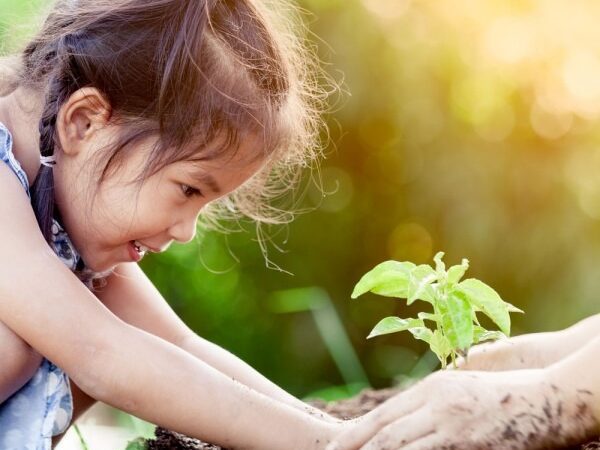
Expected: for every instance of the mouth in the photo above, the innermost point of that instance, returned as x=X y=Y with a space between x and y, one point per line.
x=137 y=250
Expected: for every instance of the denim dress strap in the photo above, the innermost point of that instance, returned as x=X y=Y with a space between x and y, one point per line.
x=43 y=407
x=8 y=157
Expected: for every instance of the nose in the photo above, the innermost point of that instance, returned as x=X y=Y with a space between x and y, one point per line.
x=184 y=230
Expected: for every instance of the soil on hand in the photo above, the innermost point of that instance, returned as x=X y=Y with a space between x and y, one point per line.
x=344 y=409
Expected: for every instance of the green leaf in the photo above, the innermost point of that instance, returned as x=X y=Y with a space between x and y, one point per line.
x=422 y=333
x=513 y=308
x=480 y=334
x=428 y=316
x=137 y=444
x=419 y=284
x=478 y=331
x=390 y=278
x=492 y=336
x=440 y=346
x=455 y=273
x=487 y=300
x=394 y=324
x=440 y=267
x=455 y=312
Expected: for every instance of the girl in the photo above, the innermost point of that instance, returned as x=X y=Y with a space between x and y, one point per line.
x=130 y=117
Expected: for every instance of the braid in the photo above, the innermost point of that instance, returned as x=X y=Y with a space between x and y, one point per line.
x=42 y=191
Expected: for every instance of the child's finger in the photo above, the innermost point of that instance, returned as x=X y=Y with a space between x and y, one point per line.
x=401 y=433
x=371 y=423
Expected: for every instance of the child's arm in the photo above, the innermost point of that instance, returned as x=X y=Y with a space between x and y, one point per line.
x=131 y=296
x=45 y=304
x=234 y=367
x=19 y=362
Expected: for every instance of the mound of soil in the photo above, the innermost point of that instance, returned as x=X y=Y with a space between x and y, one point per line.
x=345 y=409
x=169 y=440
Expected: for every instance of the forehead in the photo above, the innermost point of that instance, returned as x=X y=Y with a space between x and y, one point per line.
x=235 y=148
x=217 y=170
x=227 y=147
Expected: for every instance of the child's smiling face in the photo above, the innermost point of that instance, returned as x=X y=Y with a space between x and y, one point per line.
x=108 y=223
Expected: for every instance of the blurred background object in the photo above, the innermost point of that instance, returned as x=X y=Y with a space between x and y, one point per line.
x=471 y=127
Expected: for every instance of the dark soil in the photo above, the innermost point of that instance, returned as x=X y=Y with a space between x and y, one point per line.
x=345 y=409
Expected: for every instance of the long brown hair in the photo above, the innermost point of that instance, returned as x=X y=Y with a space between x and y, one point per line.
x=185 y=71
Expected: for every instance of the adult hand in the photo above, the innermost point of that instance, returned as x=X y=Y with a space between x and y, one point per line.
x=528 y=351
x=517 y=410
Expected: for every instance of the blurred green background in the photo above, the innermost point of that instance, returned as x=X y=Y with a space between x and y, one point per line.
x=470 y=127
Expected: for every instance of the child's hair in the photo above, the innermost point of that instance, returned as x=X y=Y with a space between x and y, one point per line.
x=188 y=71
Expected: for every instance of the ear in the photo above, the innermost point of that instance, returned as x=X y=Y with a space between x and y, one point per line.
x=84 y=113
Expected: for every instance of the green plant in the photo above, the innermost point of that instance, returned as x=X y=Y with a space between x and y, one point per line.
x=455 y=305
x=137 y=444
x=81 y=439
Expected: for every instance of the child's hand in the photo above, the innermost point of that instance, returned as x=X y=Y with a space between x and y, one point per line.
x=340 y=430
x=521 y=410
x=528 y=351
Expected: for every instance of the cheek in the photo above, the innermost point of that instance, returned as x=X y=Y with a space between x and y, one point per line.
x=110 y=213
x=124 y=211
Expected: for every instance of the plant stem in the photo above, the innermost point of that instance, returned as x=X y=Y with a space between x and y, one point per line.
x=83 y=444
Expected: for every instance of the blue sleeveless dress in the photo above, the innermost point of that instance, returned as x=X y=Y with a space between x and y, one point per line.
x=43 y=407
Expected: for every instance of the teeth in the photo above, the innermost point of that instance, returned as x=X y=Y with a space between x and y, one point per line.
x=140 y=247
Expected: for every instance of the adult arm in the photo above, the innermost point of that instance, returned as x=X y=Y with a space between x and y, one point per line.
x=521 y=409
x=533 y=350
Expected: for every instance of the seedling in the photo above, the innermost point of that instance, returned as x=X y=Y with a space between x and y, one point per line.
x=455 y=305
x=137 y=444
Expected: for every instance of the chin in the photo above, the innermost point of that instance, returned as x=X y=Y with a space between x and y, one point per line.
x=98 y=266
x=95 y=267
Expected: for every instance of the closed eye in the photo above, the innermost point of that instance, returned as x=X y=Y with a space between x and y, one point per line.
x=189 y=191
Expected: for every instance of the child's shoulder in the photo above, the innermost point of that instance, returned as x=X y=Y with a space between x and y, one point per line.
x=15 y=203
